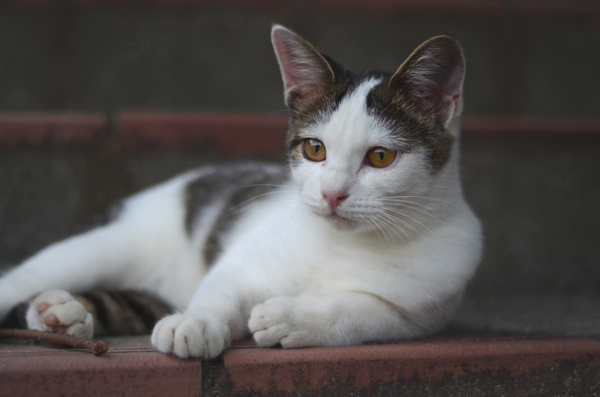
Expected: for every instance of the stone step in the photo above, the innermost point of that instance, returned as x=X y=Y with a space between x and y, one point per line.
x=499 y=366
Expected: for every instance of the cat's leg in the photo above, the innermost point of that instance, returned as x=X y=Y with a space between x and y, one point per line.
x=144 y=248
x=330 y=320
x=75 y=264
x=216 y=316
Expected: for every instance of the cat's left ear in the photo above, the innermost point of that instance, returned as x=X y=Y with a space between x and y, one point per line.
x=432 y=79
x=305 y=71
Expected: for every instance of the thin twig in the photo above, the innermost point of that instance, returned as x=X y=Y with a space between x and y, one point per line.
x=96 y=347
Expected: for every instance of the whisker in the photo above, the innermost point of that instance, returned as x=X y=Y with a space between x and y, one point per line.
x=377 y=228
x=385 y=218
x=271 y=193
x=411 y=218
x=422 y=197
x=288 y=186
x=427 y=211
x=393 y=228
x=404 y=202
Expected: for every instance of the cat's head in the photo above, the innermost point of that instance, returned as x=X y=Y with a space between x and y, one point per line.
x=368 y=149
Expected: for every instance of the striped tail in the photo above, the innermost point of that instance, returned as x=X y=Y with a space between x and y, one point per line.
x=114 y=312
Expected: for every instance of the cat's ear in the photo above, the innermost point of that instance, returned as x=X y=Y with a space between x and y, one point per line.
x=431 y=79
x=305 y=71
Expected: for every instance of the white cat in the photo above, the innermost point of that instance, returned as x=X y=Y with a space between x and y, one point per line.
x=365 y=236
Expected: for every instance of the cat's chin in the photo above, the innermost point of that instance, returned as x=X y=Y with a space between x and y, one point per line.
x=342 y=224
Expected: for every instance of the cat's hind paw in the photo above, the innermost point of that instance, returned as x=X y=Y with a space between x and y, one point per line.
x=57 y=311
x=189 y=335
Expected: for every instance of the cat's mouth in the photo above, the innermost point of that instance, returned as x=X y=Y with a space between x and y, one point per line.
x=340 y=222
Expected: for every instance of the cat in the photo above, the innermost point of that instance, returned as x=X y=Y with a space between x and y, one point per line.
x=364 y=235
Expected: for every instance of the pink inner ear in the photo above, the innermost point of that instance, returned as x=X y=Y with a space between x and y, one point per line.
x=289 y=65
x=445 y=95
x=453 y=86
x=301 y=68
x=285 y=63
x=453 y=92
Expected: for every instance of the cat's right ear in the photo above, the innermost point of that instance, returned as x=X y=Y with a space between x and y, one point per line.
x=431 y=79
x=304 y=70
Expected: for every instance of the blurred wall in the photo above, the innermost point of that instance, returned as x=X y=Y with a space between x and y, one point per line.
x=523 y=58
x=537 y=195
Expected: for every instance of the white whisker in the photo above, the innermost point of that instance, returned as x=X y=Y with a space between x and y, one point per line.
x=385 y=217
x=422 y=197
x=411 y=218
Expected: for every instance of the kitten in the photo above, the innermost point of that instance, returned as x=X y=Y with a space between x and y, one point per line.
x=365 y=236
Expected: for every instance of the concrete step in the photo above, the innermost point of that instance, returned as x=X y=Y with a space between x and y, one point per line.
x=502 y=346
x=498 y=366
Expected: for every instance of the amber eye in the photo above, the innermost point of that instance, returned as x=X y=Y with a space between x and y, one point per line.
x=314 y=150
x=380 y=157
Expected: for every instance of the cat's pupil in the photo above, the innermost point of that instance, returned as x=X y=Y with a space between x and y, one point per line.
x=381 y=154
x=316 y=145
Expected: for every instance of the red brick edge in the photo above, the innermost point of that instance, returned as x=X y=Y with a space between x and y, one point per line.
x=488 y=366
x=228 y=134
x=465 y=366
x=127 y=369
x=56 y=130
x=576 y=128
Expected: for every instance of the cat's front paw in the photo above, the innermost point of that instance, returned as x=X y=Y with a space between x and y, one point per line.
x=279 y=321
x=57 y=311
x=191 y=335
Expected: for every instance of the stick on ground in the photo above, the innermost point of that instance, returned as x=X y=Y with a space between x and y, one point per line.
x=96 y=347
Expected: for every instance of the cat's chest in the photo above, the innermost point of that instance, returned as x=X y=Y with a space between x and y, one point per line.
x=283 y=235
x=352 y=258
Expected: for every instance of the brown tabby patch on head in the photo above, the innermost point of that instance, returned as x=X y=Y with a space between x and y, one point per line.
x=391 y=105
x=318 y=105
x=423 y=95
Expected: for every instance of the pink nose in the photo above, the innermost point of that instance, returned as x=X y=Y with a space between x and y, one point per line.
x=334 y=198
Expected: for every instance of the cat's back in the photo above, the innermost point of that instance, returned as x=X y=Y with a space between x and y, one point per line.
x=205 y=203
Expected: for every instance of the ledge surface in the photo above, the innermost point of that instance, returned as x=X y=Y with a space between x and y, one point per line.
x=513 y=366
x=131 y=367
